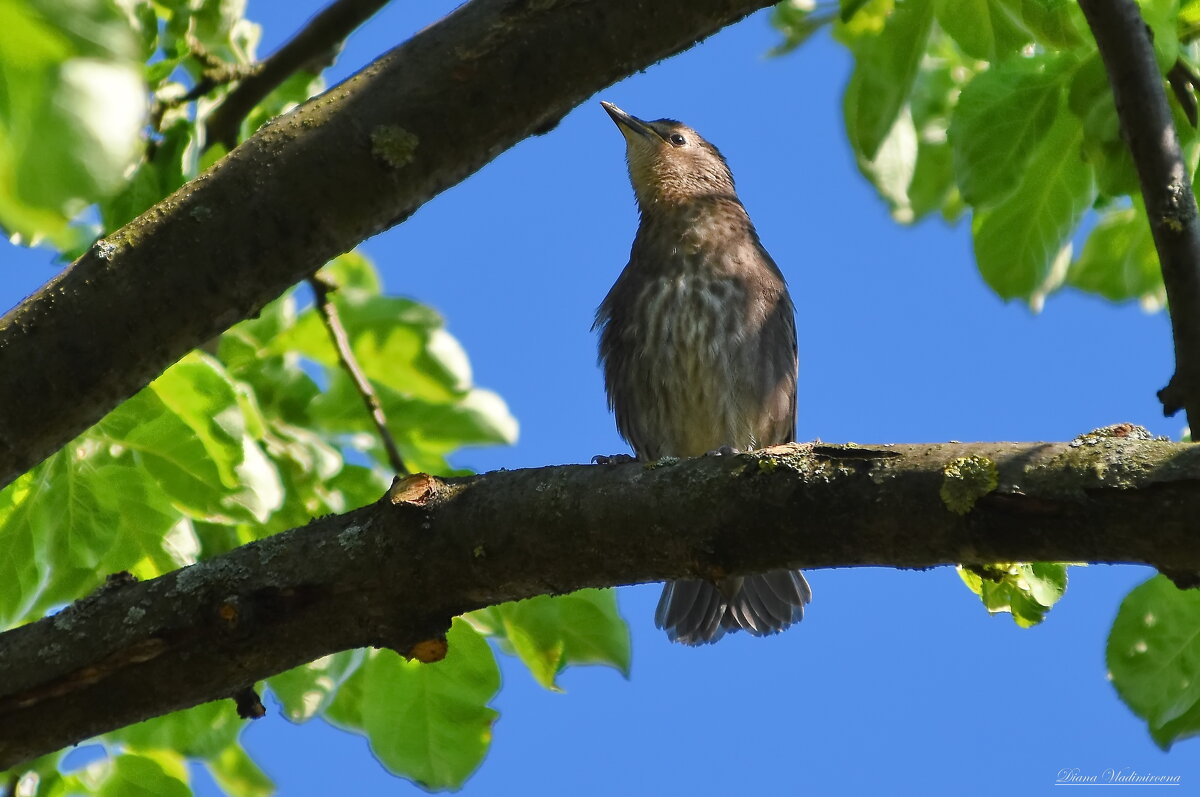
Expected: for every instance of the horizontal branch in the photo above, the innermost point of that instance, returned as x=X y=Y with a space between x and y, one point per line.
x=393 y=574
x=308 y=186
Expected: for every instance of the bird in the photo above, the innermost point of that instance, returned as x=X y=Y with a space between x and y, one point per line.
x=697 y=341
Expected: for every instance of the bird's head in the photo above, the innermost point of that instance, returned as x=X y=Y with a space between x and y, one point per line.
x=669 y=162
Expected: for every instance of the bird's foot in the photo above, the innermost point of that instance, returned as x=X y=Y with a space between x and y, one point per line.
x=723 y=451
x=615 y=459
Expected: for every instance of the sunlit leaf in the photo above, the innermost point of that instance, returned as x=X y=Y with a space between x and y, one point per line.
x=149 y=774
x=427 y=722
x=1019 y=241
x=201 y=731
x=1154 y=658
x=70 y=113
x=550 y=634
x=884 y=70
x=1002 y=116
x=1119 y=261
x=305 y=691
x=1026 y=591
x=237 y=774
x=985 y=29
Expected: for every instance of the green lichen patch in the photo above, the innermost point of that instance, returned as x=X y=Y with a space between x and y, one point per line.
x=393 y=145
x=967 y=479
x=768 y=465
x=662 y=462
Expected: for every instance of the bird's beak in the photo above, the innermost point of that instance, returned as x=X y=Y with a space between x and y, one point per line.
x=629 y=124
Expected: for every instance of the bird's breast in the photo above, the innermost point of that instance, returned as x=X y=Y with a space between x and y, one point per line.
x=687 y=373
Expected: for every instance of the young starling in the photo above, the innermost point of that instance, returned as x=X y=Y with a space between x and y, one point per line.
x=698 y=345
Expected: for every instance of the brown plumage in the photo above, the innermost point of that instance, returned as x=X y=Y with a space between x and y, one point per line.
x=698 y=345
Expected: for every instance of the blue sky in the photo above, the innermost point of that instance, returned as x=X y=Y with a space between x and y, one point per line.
x=896 y=682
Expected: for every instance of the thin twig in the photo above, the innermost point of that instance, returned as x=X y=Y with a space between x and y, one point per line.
x=1184 y=81
x=1128 y=54
x=317 y=42
x=214 y=72
x=337 y=333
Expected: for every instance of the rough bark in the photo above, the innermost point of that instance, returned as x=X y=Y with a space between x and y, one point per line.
x=308 y=186
x=394 y=573
x=1149 y=129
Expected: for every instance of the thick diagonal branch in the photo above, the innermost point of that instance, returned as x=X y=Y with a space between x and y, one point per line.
x=313 y=47
x=1128 y=54
x=394 y=573
x=308 y=186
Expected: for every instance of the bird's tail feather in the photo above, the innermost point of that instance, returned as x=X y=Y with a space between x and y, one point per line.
x=696 y=612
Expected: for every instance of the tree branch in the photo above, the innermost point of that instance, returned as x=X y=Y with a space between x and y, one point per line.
x=308 y=186
x=1128 y=54
x=317 y=42
x=337 y=333
x=394 y=573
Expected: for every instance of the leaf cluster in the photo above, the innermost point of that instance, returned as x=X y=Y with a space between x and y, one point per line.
x=257 y=433
x=1001 y=109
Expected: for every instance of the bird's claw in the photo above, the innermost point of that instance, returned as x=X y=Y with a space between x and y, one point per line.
x=615 y=459
x=723 y=451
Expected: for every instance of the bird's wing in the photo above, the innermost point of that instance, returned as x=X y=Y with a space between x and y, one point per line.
x=777 y=362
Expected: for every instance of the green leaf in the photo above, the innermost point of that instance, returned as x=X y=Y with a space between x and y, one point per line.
x=1112 y=162
x=1119 y=261
x=1154 y=658
x=885 y=68
x=137 y=520
x=280 y=385
x=218 y=25
x=353 y=270
x=1026 y=591
x=894 y=166
x=848 y=8
x=550 y=634
x=929 y=168
x=157 y=177
x=477 y=417
x=431 y=722
x=75 y=517
x=346 y=709
x=71 y=110
x=297 y=88
x=306 y=691
x=398 y=342
x=932 y=186
x=798 y=20
x=1161 y=17
x=1002 y=116
x=188 y=431
x=1020 y=242
x=158 y=774
x=199 y=732
x=1054 y=23
x=21 y=576
x=1091 y=100
x=984 y=29
x=868 y=21
x=237 y=774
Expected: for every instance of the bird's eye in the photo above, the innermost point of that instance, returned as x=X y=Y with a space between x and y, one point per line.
x=678 y=140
